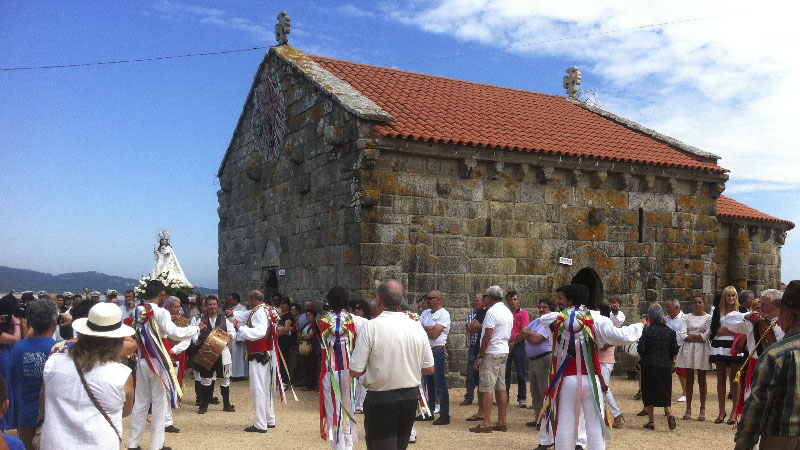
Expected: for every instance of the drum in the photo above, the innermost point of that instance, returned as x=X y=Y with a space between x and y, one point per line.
x=181 y=322
x=212 y=348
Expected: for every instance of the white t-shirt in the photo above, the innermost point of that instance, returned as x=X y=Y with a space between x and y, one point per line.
x=500 y=319
x=676 y=325
x=440 y=317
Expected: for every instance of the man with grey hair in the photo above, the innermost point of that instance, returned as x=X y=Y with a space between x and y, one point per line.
x=746 y=298
x=28 y=357
x=767 y=305
x=675 y=321
x=256 y=329
x=392 y=353
x=491 y=360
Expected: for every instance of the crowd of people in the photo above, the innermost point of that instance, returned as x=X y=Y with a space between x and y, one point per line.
x=69 y=363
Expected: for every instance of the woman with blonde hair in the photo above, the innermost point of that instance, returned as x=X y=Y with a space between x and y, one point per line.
x=721 y=352
x=86 y=391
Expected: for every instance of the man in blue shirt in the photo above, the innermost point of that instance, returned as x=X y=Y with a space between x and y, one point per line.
x=29 y=356
x=11 y=442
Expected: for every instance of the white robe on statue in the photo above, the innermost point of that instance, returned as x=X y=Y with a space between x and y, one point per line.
x=167 y=262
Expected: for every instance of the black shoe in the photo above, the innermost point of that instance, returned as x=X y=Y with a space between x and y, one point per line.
x=214 y=401
x=166 y=448
x=171 y=429
x=543 y=447
x=578 y=447
x=642 y=413
x=229 y=408
x=253 y=429
x=443 y=419
x=270 y=426
x=137 y=448
x=202 y=410
x=419 y=418
x=531 y=424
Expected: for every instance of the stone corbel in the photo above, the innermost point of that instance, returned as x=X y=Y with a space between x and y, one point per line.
x=696 y=187
x=294 y=154
x=672 y=185
x=226 y=184
x=495 y=169
x=467 y=167
x=752 y=231
x=598 y=178
x=333 y=136
x=369 y=157
x=649 y=182
x=522 y=171
x=545 y=174
x=780 y=236
x=369 y=197
x=575 y=176
x=223 y=213
x=626 y=181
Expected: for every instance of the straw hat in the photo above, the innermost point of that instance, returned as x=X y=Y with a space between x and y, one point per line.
x=105 y=320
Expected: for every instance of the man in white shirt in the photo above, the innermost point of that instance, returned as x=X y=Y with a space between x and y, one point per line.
x=617 y=317
x=675 y=321
x=150 y=372
x=436 y=323
x=770 y=311
x=491 y=360
x=392 y=353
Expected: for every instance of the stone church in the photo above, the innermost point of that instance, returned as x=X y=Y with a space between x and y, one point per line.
x=341 y=173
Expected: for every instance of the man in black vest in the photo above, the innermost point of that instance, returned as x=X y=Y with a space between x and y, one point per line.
x=222 y=367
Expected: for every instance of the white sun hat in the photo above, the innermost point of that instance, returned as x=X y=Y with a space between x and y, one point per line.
x=105 y=320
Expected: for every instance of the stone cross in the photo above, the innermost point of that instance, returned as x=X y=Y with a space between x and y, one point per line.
x=572 y=80
x=283 y=28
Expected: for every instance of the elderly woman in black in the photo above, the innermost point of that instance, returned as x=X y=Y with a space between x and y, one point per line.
x=657 y=348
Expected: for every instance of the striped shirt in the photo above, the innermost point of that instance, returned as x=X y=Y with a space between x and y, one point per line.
x=773 y=408
x=472 y=338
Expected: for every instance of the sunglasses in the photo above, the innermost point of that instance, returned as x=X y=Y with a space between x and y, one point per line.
x=431 y=298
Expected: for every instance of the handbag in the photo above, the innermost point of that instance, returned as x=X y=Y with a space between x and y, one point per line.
x=94 y=400
x=304 y=348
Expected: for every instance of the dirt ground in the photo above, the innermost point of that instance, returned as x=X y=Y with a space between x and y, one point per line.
x=298 y=425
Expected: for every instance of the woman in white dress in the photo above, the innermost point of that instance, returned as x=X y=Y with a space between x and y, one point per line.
x=167 y=261
x=72 y=416
x=694 y=353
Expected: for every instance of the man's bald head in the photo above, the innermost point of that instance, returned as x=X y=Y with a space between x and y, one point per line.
x=255 y=297
x=390 y=293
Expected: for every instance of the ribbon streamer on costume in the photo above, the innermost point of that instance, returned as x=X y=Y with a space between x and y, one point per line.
x=333 y=328
x=155 y=353
x=576 y=347
x=738 y=377
x=277 y=380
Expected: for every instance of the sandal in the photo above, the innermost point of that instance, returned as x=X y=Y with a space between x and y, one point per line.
x=702 y=416
x=649 y=426
x=480 y=429
x=731 y=422
x=500 y=427
x=721 y=419
x=688 y=414
x=671 y=422
x=637 y=395
x=474 y=418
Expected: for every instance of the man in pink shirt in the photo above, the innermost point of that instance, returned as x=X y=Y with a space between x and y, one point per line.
x=516 y=353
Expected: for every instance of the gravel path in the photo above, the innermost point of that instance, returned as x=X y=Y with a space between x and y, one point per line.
x=298 y=425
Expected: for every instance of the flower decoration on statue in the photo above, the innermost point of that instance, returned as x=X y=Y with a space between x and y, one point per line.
x=172 y=286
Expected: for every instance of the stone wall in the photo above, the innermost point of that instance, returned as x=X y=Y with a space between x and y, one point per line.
x=749 y=255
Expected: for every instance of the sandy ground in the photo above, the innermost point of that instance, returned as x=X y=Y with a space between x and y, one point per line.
x=298 y=425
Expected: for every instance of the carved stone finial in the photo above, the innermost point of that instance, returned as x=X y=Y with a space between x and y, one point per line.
x=495 y=169
x=575 y=176
x=545 y=174
x=283 y=28
x=572 y=80
x=467 y=167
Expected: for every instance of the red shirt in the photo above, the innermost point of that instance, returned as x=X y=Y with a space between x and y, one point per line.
x=521 y=319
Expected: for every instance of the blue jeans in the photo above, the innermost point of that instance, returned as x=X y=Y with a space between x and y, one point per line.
x=472 y=375
x=518 y=357
x=438 y=384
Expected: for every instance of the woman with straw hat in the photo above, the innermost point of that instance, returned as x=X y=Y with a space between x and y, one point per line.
x=86 y=391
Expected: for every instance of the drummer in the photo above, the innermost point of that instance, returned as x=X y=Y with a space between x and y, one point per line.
x=222 y=367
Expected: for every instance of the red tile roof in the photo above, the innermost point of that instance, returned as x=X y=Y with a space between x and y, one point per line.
x=728 y=207
x=449 y=111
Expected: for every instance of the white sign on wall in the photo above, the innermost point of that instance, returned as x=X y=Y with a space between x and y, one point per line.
x=565 y=261
x=282 y=272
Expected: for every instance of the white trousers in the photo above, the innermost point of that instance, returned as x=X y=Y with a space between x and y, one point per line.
x=592 y=418
x=361 y=394
x=605 y=370
x=343 y=440
x=546 y=436
x=168 y=417
x=149 y=390
x=262 y=394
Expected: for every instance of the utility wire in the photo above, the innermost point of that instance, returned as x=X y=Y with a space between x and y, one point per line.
x=456 y=55
x=124 y=61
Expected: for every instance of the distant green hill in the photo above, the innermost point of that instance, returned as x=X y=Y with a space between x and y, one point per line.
x=30 y=280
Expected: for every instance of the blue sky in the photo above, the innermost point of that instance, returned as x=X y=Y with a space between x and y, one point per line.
x=96 y=159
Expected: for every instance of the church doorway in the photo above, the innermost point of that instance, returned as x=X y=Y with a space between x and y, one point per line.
x=271 y=286
x=589 y=278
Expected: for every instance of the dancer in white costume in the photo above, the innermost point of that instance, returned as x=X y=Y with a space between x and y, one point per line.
x=167 y=261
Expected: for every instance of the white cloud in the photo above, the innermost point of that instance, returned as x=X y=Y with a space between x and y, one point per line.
x=353 y=11
x=217 y=17
x=722 y=83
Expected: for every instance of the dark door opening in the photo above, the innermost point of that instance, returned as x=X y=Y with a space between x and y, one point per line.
x=271 y=285
x=589 y=278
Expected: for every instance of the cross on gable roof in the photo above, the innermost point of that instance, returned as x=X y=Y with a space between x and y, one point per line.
x=444 y=110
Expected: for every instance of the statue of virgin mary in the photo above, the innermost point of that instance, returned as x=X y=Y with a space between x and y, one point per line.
x=167 y=261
